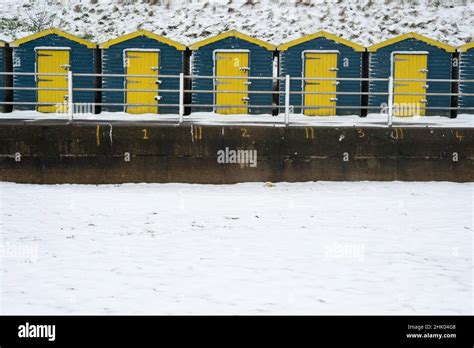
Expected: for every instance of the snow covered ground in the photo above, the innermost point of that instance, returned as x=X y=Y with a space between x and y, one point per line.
x=319 y=248
x=209 y=118
x=187 y=21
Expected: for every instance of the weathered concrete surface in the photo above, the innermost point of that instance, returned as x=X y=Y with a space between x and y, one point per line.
x=95 y=154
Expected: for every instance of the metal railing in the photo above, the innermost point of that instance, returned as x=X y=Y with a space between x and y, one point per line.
x=281 y=93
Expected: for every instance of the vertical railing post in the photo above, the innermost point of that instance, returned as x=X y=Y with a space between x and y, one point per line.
x=390 y=101
x=287 y=99
x=69 y=96
x=181 y=97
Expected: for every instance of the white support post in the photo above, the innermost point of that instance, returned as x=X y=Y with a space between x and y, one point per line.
x=70 y=102
x=181 y=97
x=287 y=99
x=390 y=101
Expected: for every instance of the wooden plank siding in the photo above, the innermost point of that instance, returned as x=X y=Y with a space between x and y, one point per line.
x=349 y=65
x=260 y=63
x=466 y=72
x=171 y=62
x=82 y=60
x=439 y=67
x=2 y=77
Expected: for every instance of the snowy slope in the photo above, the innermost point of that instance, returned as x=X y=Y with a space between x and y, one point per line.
x=314 y=248
x=277 y=21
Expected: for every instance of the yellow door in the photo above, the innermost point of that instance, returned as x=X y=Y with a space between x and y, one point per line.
x=410 y=66
x=52 y=62
x=232 y=64
x=320 y=65
x=142 y=63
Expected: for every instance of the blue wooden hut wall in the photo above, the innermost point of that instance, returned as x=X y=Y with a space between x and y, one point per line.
x=466 y=72
x=349 y=65
x=82 y=60
x=260 y=61
x=173 y=60
x=3 y=68
x=439 y=67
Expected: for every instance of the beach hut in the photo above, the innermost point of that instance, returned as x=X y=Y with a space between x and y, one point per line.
x=466 y=72
x=233 y=54
x=142 y=53
x=327 y=56
x=52 y=51
x=411 y=57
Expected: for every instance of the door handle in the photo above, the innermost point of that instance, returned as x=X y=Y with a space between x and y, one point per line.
x=333 y=69
x=245 y=99
x=424 y=101
x=65 y=66
x=158 y=82
x=247 y=83
x=336 y=83
x=154 y=68
x=333 y=99
x=244 y=68
x=423 y=70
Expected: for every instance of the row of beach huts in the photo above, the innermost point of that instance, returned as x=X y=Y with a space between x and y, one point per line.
x=153 y=63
